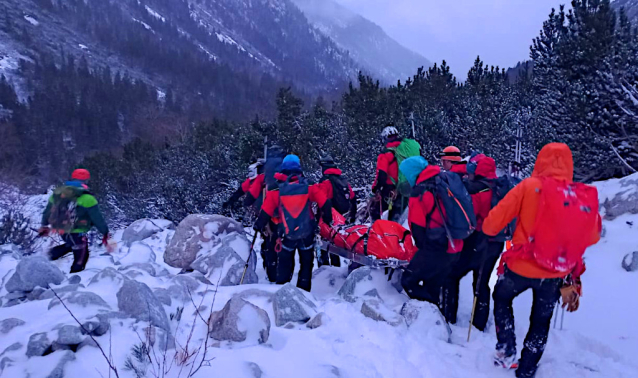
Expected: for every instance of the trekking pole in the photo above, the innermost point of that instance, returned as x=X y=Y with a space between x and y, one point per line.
x=556 y=314
x=562 y=318
x=252 y=247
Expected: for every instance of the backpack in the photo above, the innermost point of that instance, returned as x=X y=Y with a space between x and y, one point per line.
x=340 y=193
x=272 y=166
x=567 y=212
x=500 y=187
x=63 y=216
x=449 y=191
x=294 y=209
x=407 y=148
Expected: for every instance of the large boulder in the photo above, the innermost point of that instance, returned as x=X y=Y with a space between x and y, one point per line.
x=630 y=262
x=359 y=284
x=32 y=272
x=225 y=266
x=624 y=201
x=143 y=229
x=240 y=321
x=291 y=305
x=199 y=233
x=424 y=318
x=69 y=335
x=137 y=300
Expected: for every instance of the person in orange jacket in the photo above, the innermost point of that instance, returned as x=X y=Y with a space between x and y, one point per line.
x=302 y=225
x=520 y=271
x=387 y=176
x=479 y=254
x=425 y=275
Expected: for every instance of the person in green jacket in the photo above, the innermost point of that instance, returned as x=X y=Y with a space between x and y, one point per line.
x=71 y=212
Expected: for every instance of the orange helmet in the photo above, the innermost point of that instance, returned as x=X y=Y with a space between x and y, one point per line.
x=81 y=175
x=451 y=153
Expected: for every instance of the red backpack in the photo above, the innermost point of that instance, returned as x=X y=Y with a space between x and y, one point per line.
x=566 y=213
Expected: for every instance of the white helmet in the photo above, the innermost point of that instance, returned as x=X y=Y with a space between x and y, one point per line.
x=253 y=169
x=389 y=131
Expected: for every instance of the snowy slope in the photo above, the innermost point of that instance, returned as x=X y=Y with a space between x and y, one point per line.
x=599 y=341
x=367 y=43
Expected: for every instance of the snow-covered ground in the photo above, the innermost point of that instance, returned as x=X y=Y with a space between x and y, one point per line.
x=598 y=341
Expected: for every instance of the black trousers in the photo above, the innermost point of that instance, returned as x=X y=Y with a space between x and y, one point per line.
x=286 y=261
x=479 y=256
x=76 y=243
x=426 y=274
x=546 y=294
x=269 y=255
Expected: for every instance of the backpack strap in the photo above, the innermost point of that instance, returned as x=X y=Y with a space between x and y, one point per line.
x=363 y=238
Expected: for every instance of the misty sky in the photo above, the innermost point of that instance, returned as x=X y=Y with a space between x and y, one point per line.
x=500 y=31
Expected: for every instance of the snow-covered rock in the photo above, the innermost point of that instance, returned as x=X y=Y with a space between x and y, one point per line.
x=48 y=294
x=63 y=358
x=80 y=298
x=138 y=253
x=240 y=321
x=291 y=305
x=69 y=335
x=376 y=310
x=225 y=266
x=137 y=300
x=143 y=229
x=318 y=320
x=96 y=326
x=199 y=234
x=630 y=262
x=424 y=318
x=107 y=275
x=619 y=197
x=6 y=325
x=38 y=344
x=34 y=271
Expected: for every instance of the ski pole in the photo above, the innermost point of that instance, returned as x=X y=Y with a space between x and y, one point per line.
x=556 y=314
x=562 y=318
x=252 y=247
x=476 y=290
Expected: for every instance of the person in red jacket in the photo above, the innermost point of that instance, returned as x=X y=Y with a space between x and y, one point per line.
x=479 y=254
x=340 y=193
x=430 y=266
x=302 y=241
x=252 y=187
x=452 y=161
x=387 y=176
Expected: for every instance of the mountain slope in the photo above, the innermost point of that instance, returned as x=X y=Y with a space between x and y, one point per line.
x=150 y=38
x=367 y=43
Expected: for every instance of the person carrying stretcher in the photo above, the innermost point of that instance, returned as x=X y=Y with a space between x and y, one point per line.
x=291 y=203
x=337 y=189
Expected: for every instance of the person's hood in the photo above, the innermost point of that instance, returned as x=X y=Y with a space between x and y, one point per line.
x=412 y=167
x=393 y=144
x=555 y=160
x=429 y=172
x=332 y=171
x=486 y=167
x=459 y=169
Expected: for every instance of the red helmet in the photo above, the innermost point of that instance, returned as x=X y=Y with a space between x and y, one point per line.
x=81 y=175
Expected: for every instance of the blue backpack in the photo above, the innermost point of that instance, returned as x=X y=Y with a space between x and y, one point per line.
x=460 y=220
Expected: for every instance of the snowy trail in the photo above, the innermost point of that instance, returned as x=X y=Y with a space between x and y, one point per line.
x=598 y=341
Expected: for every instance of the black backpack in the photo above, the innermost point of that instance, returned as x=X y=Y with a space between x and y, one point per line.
x=272 y=166
x=294 y=208
x=63 y=216
x=340 y=193
x=500 y=187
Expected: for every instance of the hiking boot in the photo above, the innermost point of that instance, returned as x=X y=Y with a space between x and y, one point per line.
x=504 y=361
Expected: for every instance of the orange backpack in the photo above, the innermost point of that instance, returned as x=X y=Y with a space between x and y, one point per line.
x=566 y=214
